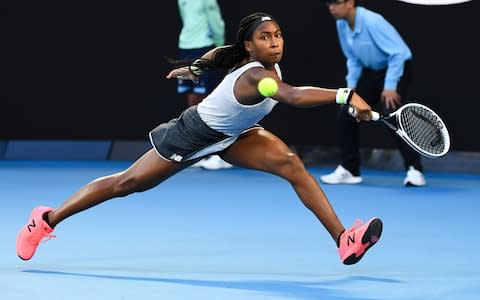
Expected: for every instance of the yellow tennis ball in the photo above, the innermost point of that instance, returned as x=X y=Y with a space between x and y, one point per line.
x=267 y=87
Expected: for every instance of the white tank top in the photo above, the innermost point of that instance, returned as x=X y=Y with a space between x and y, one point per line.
x=221 y=111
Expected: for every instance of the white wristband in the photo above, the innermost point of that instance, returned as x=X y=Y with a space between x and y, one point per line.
x=344 y=95
x=194 y=69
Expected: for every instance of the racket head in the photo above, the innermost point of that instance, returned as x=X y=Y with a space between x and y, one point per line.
x=423 y=130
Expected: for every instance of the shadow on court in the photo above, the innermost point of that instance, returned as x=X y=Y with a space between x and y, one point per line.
x=285 y=288
x=239 y=235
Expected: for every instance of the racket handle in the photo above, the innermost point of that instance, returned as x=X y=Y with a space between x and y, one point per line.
x=353 y=112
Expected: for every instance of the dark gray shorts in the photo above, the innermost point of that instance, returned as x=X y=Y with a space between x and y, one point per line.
x=188 y=137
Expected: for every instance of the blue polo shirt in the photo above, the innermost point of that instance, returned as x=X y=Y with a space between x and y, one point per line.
x=375 y=44
x=203 y=25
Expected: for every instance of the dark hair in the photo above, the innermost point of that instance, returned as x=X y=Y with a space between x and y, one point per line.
x=328 y=2
x=230 y=55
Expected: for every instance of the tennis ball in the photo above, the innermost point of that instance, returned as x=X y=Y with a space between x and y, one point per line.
x=267 y=87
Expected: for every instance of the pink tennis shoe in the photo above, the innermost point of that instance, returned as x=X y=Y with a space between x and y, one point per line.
x=33 y=233
x=355 y=241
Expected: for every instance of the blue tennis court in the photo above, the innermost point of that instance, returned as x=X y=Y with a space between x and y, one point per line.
x=239 y=234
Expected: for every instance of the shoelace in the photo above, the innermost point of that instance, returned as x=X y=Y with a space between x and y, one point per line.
x=47 y=238
x=40 y=237
x=342 y=173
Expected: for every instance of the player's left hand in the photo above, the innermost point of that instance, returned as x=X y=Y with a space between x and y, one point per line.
x=182 y=73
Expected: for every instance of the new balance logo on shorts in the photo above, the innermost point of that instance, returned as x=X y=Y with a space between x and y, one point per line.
x=176 y=157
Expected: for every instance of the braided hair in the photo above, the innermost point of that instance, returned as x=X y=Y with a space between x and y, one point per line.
x=229 y=56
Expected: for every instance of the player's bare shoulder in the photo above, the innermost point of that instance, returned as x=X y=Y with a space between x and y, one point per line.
x=245 y=88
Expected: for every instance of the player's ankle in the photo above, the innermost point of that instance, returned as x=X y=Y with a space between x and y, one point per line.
x=338 y=238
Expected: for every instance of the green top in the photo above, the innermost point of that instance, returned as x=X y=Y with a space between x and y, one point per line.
x=203 y=24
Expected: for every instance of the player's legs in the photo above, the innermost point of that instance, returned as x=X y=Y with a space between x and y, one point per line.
x=261 y=150
x=147 y=172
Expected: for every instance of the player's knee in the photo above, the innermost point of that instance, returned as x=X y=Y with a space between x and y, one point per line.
x=126 y=185
x=290 y=166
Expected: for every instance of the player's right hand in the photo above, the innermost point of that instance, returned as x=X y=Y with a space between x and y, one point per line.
x=362 y=109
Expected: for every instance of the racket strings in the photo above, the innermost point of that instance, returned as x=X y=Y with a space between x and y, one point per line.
x=424 y=129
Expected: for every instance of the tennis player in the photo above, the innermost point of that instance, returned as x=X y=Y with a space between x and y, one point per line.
x=225 y=122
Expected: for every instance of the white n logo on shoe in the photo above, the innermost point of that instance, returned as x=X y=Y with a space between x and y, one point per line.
x=33 y=225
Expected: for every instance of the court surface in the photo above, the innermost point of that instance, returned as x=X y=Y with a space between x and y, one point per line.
x=239 y=234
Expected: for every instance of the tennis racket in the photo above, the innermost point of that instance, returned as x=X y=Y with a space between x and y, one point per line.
x=419 y=126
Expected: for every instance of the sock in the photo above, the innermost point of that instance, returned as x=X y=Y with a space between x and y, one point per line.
x=338 y=238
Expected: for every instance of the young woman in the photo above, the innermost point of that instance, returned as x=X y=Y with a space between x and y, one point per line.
x=225 y=123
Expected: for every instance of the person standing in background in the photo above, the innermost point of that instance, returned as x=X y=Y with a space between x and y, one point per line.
x=379 y=69
x=203 y=29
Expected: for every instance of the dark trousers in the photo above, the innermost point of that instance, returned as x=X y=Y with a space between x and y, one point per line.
x=370 y=87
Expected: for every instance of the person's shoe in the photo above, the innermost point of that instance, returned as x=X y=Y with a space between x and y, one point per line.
x=33 y=233
x=214 y=162
x=199 y=164
x=414 y=178
x=341 y=175
x=355 y=241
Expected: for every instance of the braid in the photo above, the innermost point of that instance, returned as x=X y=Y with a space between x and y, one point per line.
x=228 y=56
